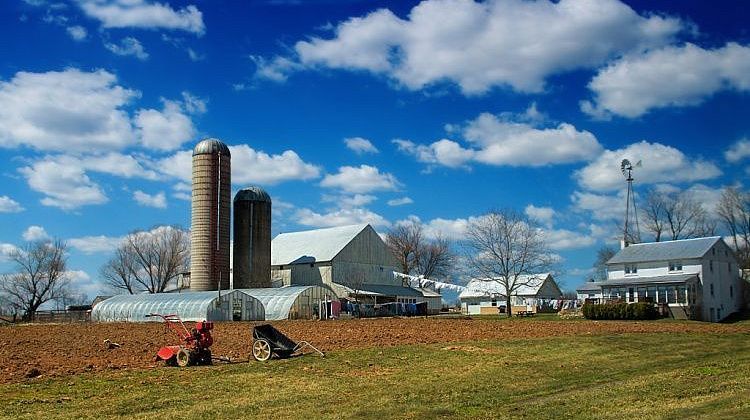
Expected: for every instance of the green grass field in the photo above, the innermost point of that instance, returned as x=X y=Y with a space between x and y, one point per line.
x=623 y=376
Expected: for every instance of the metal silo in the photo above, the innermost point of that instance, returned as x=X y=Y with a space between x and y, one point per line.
x=209 y=249
x=252 y=238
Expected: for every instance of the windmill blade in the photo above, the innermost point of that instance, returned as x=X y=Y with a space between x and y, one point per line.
x=639 y=164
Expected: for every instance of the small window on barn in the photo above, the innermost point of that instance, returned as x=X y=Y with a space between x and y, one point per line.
x=312 y=264
x=711 y=266
x=675 y=266
x=731 y=291
x=713 y=251
x=712 y=289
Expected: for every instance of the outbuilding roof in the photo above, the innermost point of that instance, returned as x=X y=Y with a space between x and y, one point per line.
x=277 y=301
x=530 y=285
x=665 y=251
x=311 y=246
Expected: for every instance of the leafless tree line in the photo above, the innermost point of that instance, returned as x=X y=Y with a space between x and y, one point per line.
x=672 y=216
x=419 y=255
x=39 y=276
x=148 y=260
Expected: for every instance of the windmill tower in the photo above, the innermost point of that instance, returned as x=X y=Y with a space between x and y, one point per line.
x=631 y=231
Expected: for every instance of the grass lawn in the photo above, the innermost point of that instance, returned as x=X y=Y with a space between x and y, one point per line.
x=622 y=376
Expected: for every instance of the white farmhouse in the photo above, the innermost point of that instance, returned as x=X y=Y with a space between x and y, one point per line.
x=689 y=279
x=485 y=296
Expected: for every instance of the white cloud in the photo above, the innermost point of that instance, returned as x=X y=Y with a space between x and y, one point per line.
x=193 y=104
x=166 y=129
x=35 y=233
x=77 y=32
x=661 y=163
x=128 y=46
x=69 y=110
x=248 y=166
x=500 y=141
x=144 y=14
x=672 y=76
x=9 y=205
x=738 y=151
x=493 y=43
x=275 y=69
x=64 y=184
x=362 y=179
x=563 y=239
x=256 y=167
x=81 y=282
x=601 y=206
x=360 y=145
x=113 y=163
x=95 y=244
x=543 y=215
x=400 y=201
x=346 y=201
x=6 y=250
x=341 y=217
x=157 y=200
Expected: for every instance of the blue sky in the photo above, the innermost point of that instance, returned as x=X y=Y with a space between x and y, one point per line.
x=365 y=111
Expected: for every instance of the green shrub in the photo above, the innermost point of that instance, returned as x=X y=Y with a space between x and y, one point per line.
x=640 y=310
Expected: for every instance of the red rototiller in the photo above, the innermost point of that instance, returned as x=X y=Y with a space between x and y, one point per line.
x=194 y=347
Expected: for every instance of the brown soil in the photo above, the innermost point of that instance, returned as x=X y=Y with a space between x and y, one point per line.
x=68 y=349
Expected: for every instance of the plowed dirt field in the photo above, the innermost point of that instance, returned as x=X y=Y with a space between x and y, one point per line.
x=68 y=349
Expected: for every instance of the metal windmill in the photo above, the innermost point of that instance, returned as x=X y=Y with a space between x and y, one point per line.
x=630 y=235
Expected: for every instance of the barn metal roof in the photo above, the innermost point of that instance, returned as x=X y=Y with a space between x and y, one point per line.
x=488 y=287
x=310 y=246
x=665 y=251
x=277 y=301
x=210 y=146
x=190 y=306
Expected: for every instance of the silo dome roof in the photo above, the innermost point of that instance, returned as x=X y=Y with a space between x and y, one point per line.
x=210 y=146
x=252 y=194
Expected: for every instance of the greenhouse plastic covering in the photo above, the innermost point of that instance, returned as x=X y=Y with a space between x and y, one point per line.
x=277 y=301
x=191 y=306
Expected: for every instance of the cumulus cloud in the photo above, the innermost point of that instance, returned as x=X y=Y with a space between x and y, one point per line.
x=35 y=233
x=276 y=69
x=128 y=46
x=64 y=185
x=738 y=151
x=144 y=14
x=479 y=45
x=341 y=217
x=249 y=166
x=543 y=215
x=68 y=110
x=672 y=76
x=501 y=141
x=602 y=207
x=362 y=179
x=564 y=239
x=9 y=205
x=400 y=201
x=6 y=250
x=661 y=163
x=360 y=145
x=348 y=201
x=157 y=200
x=95 y=244
x=77 y=32
x=167 y=129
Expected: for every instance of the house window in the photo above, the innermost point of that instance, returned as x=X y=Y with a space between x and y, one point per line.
x=631 y=269
x=713 y=251
x=681 y=294
x=312 y=265
x=731 y=292
x=711 y=265
x=675 y=266
x=494 y=302
x=631 y=294
x=712 y=289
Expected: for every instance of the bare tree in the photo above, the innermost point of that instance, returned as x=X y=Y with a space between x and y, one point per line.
x=39 y=276
x=604 y=254
x=679 y=216
x=506 y=247
x=419 y=255
x=148 y=260
x=734 y=212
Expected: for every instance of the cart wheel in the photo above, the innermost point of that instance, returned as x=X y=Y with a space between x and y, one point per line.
x=261 y=350
x=183 y=358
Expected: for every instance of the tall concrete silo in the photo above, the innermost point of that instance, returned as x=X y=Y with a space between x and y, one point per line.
x=252 y=238
x=209 y=249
